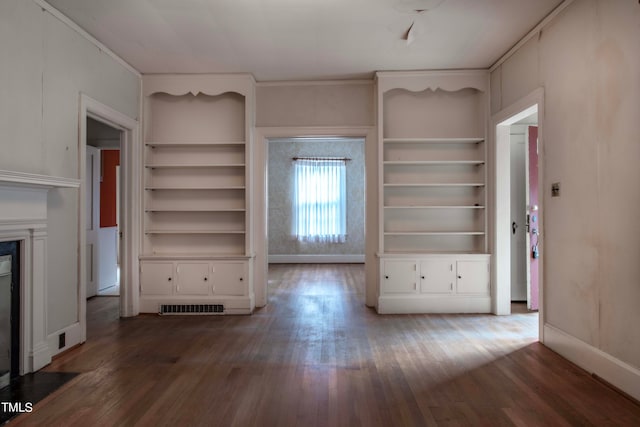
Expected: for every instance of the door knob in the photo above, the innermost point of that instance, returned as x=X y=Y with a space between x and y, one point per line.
x=514 y=226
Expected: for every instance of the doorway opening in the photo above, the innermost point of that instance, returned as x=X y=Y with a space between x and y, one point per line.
x=124 y=242
x=284 y=218
x=518 y=219
x=102 y=209
x=525 y=212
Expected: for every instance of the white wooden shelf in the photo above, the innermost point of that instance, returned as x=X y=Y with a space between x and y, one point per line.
x=177 y=144
x=432 y=140
x=432 y=192
x=197 y=152
x=438 y=184
x=434 y=233
x=194 y=166
x=435 y=207
x=195 y=210
x=195 y=231
x=235 y=187
x=193 y=256
x=433 y=162
x=409 y=254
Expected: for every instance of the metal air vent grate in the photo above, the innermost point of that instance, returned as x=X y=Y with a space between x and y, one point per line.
x=191 y=309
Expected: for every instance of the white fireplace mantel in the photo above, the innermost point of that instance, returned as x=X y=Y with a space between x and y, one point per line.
x=23 y=218
x=22 y=179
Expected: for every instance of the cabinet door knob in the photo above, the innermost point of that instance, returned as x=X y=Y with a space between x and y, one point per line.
x=206 y=278
x=459 y=277
x=169 y=279
x=422 y=277
x=241 y=279
x=386 y=277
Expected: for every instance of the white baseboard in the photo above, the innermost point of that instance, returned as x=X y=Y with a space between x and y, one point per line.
x=316 y=259
x=72 y=337
x=616 y=372
x=39 y=357
x=407 y=304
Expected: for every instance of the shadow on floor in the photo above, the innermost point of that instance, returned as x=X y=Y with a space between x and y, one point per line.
x=24 y=392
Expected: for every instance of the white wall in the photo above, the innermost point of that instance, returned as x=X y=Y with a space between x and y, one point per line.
x=587 y=61
x=45 y=66
x=315 y=104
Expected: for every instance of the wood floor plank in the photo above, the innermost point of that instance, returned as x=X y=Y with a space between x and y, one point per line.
x=316 y=356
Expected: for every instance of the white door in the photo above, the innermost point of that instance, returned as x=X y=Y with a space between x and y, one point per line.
x=518 y=216
x=156 y=278
x=229 y=278
x=400 y=277
x=473 y=277
x=437 y=276
x=193 y=278
x=92 y=188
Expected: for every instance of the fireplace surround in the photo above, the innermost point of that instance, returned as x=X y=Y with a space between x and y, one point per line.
x=23 y=218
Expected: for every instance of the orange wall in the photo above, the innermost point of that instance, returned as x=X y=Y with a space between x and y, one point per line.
x=110 y=159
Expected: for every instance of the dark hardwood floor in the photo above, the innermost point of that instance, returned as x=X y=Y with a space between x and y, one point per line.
x=316 y=356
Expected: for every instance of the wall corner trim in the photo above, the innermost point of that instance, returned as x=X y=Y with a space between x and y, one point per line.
x=83 y=33
x=535 y=30
x=595 y=361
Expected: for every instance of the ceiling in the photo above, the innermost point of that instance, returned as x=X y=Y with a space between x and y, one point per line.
x=306 y=39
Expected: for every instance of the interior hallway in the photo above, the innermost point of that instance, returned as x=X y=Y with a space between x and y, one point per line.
x=315 y=356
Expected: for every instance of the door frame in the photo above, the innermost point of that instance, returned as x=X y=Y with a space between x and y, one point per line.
x=95 y=203
x=130 y=205
x=260 y=201
x=501 y=260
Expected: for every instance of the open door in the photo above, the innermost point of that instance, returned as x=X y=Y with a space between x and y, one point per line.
x=92 y=200
x=533 y=218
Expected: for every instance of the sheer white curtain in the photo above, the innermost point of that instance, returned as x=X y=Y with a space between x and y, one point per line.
x=319 y=202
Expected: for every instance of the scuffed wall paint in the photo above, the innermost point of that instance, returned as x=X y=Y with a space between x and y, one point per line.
x=586 y=60
x=46 y=66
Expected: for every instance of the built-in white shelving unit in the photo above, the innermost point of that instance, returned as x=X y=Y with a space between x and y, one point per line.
x=433 y=198
x=197 y=242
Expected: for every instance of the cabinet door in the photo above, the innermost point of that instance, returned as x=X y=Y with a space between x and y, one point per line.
x=193 y=278
x=437 y=276
x=473 y=277
x=230 y=278
x=399 y=277
x=156 y=278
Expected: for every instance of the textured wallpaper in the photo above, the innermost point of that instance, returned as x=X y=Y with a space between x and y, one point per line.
x=281 y=151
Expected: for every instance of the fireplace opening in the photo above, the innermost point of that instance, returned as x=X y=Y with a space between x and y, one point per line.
x=9 y=312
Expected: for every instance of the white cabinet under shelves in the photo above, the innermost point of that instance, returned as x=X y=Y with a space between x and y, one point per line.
x=192 y=278
x=196 y=281
x=435 y=284
x=197 y=170
x=432 y=178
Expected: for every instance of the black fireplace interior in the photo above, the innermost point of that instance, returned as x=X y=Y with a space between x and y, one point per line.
x=10 y=310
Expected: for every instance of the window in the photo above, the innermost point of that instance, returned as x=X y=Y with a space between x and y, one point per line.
x=319 y=200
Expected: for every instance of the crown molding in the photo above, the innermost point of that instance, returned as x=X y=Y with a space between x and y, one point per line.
x=83 y=33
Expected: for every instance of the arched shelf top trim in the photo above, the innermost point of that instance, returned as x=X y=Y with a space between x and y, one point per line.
x=194 y=92
x=207 y=84
x=419 y=81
